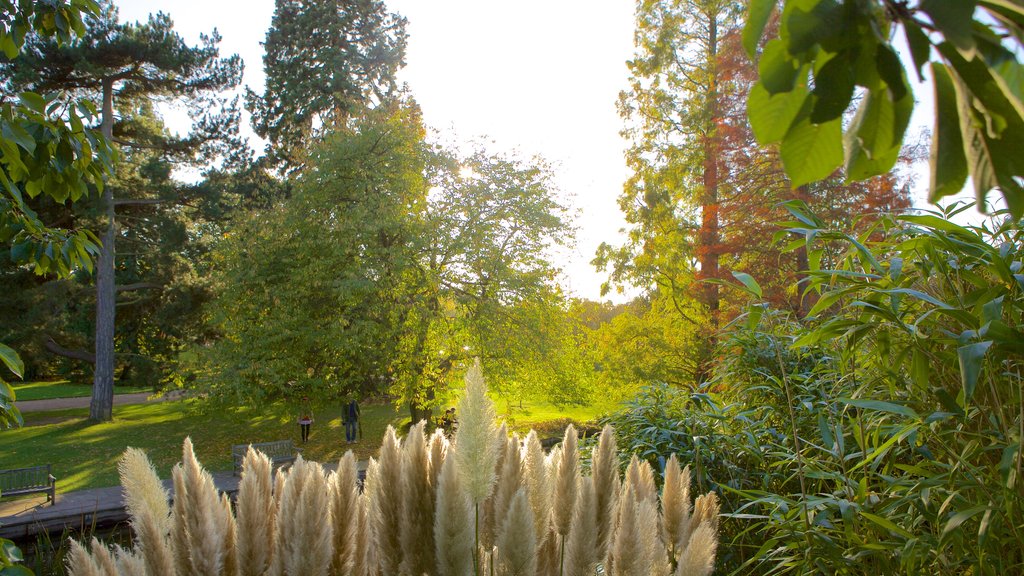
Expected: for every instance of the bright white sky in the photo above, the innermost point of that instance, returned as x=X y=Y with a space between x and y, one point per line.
x=540 y=77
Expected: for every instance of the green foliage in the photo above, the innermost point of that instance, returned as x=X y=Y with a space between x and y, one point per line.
x=324 y=62
x=829 y=52
x=10 y=416
x=899 y=405
x=10 y=556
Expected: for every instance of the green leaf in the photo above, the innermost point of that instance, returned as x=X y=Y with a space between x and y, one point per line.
x=18 y=134
x=811 y=152
x=833 y=89
x=948 y=166
x=758 y=13
x=772 y=115
x=874 y=137
x=971 y=358
x=12 y=361
x=752 y=286
x=881 y=406
x=887 y=524
x=33 y=102
x=954 y=19
x=920 y=46
x=959 y=518
x=777 y=70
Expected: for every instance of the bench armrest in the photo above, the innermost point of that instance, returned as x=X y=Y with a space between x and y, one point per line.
x=53 y=479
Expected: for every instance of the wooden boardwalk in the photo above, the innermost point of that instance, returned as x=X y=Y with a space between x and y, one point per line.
x=26 y=517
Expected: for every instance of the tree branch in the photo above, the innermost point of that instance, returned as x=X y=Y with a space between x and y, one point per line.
x=59 y=350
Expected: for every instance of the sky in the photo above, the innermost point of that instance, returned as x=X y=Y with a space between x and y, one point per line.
x=533 y=77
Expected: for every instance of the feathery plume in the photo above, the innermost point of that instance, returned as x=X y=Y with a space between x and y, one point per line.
x=475 y=451
x=344 y=514
x=548 y=560
x=179 y=522
x=206 y=523
x=387 y=504
x=104 y=561
x=146 y=501
x=438 y=452
x=517 y=544
x=130 y=563
x=366 y=542
x=491 y=520
x=654 y=558
x=80 y=562
x=230 y=536
x=566 y=481
x=581 y=550
x=535 y=476
x=674 y=510
x=361 y=559
x=605 y=471
x=699 y=557
x=256 y=511
x=453 y=524
x=417 y=505
x=304 y=530
x=705 y=511
x=510 y=479
x=625 y=554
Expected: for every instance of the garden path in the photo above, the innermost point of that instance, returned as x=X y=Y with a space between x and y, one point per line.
x=83 y=402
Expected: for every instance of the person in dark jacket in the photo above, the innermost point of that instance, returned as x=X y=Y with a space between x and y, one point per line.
x=350 y=414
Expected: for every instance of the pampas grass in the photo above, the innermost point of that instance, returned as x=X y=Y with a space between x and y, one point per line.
x=517 y=543
x=417 y=534
x=305 y=533
x=453 y=523
x=419 y=513
x=255 y=518
x=344 y=514
x=580 y=557
x=146 y=502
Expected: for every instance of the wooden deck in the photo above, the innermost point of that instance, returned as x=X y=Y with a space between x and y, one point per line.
x=26 y=517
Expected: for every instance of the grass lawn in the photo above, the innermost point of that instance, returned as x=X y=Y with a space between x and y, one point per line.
x=85 y=455
x=63 y=389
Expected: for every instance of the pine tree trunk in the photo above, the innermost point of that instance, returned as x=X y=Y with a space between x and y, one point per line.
x=102 y=404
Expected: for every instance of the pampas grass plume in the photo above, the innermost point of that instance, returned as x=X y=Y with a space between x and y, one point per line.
x=566 y=481
x=104 y=561
x=80 y=562
x=417 y=505
x=625 y=556
x=475 y=450
x=130 y=563
x=699 y=557
x=605 y=471
x=453 y=523
x=536 y=479
x=705 y=511
x=146 y=502
x=387 y=504
x=304 y=531
x=675 y=511
x=207 y=525
x=582 y=552
x=654 y=558
x=438 y=452
x=344 y=514
x=256 y=511
x=517 y=544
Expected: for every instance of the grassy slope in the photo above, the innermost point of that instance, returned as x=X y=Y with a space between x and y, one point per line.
x=85 y=455
x=62 y=389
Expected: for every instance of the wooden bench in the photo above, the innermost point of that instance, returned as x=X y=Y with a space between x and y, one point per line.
x=280 y=452
x=29 y=481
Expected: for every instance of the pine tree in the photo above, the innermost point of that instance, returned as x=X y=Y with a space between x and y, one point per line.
x=121 y=64
x=325 y=59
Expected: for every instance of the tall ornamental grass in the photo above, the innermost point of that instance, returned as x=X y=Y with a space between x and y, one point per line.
x=425 y=509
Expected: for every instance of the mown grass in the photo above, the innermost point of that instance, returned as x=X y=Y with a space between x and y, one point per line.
x=85 y=455
x=63 y=389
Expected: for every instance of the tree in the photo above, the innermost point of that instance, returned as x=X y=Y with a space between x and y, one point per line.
x=44 y=151
x=827 y=53
x=122 y=64
x=324 y=60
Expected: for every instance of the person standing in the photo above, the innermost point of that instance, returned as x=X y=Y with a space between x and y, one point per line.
x=305 y=418
x=351 y=413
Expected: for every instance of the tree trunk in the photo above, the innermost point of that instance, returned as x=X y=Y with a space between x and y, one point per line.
x=709 y=241
x=102 y=404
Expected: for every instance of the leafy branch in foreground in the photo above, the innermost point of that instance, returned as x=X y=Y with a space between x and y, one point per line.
x=828 y=53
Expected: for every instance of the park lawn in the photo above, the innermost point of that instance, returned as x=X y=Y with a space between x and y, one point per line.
x=539 y=413
x=85 y=455
x=63 y=389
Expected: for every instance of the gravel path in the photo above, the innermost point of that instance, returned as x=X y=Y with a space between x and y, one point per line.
x=82 y=402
